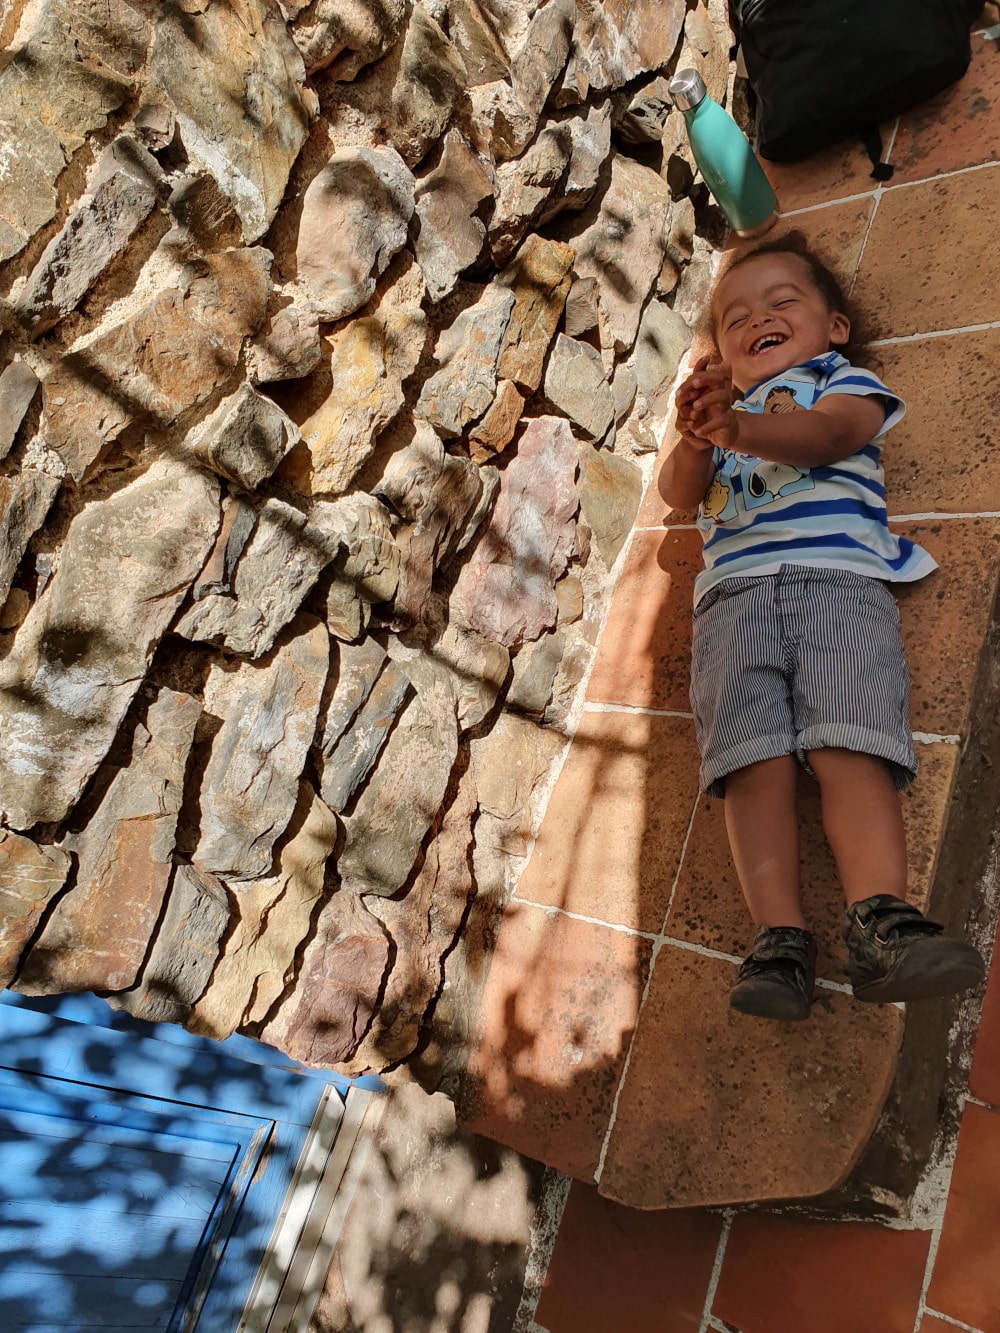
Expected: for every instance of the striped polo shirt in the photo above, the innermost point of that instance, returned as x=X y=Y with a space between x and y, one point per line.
x=757 y=516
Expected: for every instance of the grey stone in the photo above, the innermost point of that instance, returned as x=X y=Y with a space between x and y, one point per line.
x=288 y=345
x=423 y=925
x=615 y=41
x=280 y=564
x=539 y=277
x=18 y=385
x=639 y=115
x=442 y=500
x=478 y=667
x=662 y=340
x=501 y=126
x=525 y=184
x=358 y=387
x=184 y=951
x=60 y=81
x=535 y=668
x=575 y=384
x=472 y=31
x=83 y=651
x=238 y=522
x=30 y=876
x=349 y=760
x=355 y=216
x=244 y=439
x=393 y=813
x=202 y=215
x=610 y=495
x=271 y=919
x=164 y=362
x=370 y=558
x=426 y=86
x=268 y=711
x=25 y=500
x=358 y=668
x=346 y=615
x=581 y=314
x=343 y=35
x=331 y=1005
x=624 y=248
x=98 y=935
x=466 y=353
x=98 y=229
x=234 y=79
x=624 y=387
x=541 y=56
x=449 y=200
x=506 y=588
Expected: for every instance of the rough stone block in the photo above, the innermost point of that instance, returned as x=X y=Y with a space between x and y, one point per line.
x=99 y=934
x=184 y=952
x=355 y=216
x=30 y=876
x=279 y=565
x=81 y=655
x=575 y=384
x=244 y=439
x=268 y=711
x=25 y=500
x=18 y=385
x=463 y=386
x=96 y=232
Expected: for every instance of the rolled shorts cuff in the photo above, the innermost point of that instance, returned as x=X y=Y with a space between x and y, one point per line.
x=899 y=755
x=712 y=778
x=901 y=758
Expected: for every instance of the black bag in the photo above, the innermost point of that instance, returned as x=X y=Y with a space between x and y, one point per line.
x=825 y=70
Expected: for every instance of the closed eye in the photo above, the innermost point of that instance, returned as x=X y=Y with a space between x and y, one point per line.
x=735 y=323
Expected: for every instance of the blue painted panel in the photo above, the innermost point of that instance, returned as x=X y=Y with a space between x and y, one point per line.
x=145 y=1176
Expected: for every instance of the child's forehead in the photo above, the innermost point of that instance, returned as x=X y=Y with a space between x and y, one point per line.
x=759 y=273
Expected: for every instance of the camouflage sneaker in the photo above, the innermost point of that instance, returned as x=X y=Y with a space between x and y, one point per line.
x=894 y=953
x=776 y=978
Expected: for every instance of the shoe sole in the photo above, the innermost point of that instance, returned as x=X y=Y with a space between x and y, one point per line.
x=779 y=1007
x=926 y=971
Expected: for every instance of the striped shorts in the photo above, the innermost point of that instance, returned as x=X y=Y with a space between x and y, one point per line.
x=790 y=662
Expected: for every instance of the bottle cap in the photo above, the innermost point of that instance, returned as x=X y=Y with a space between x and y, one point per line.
x=687 y=88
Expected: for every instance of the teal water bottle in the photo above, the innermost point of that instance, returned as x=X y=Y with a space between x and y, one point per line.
x=724 y=157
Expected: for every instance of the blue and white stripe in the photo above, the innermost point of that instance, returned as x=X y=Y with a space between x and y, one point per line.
x=759 y=516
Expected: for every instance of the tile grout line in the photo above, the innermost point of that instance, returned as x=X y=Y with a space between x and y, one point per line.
x=878 y=189
x=950 y=1319
x=551 y=909
x=612 y=1118
x=680 y=864
x=596 y=706
x=933 y=333
x=939 y=517
x=713 y=1281
x=876 y=200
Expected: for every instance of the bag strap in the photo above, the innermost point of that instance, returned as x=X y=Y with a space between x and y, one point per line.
x=871 y=137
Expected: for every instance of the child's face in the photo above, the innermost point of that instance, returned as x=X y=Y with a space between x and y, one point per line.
x=768 y=315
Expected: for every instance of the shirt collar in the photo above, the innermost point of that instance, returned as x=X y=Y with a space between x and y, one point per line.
x=829 y=361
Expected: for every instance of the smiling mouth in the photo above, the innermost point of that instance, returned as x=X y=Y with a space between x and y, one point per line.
x=769 y=340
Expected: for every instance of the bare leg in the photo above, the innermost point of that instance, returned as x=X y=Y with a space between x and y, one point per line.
x=863 y=821
x=764 y=838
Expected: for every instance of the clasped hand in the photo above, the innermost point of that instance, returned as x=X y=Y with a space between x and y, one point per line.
x=704 y=402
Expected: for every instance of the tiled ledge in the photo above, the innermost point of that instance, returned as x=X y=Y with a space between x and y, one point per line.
x=607 y=1046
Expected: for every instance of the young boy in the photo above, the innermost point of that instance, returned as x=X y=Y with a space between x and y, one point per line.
x=797 y=653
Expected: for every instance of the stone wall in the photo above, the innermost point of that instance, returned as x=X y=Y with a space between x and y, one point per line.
x=335 y=339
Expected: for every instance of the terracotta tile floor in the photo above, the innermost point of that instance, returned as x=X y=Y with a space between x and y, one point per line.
x=608 y=1049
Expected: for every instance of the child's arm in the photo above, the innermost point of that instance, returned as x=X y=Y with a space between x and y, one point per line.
x=688 y=470
x=838 y=426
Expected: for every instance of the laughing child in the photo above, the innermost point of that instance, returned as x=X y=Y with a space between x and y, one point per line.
x=797 y=656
